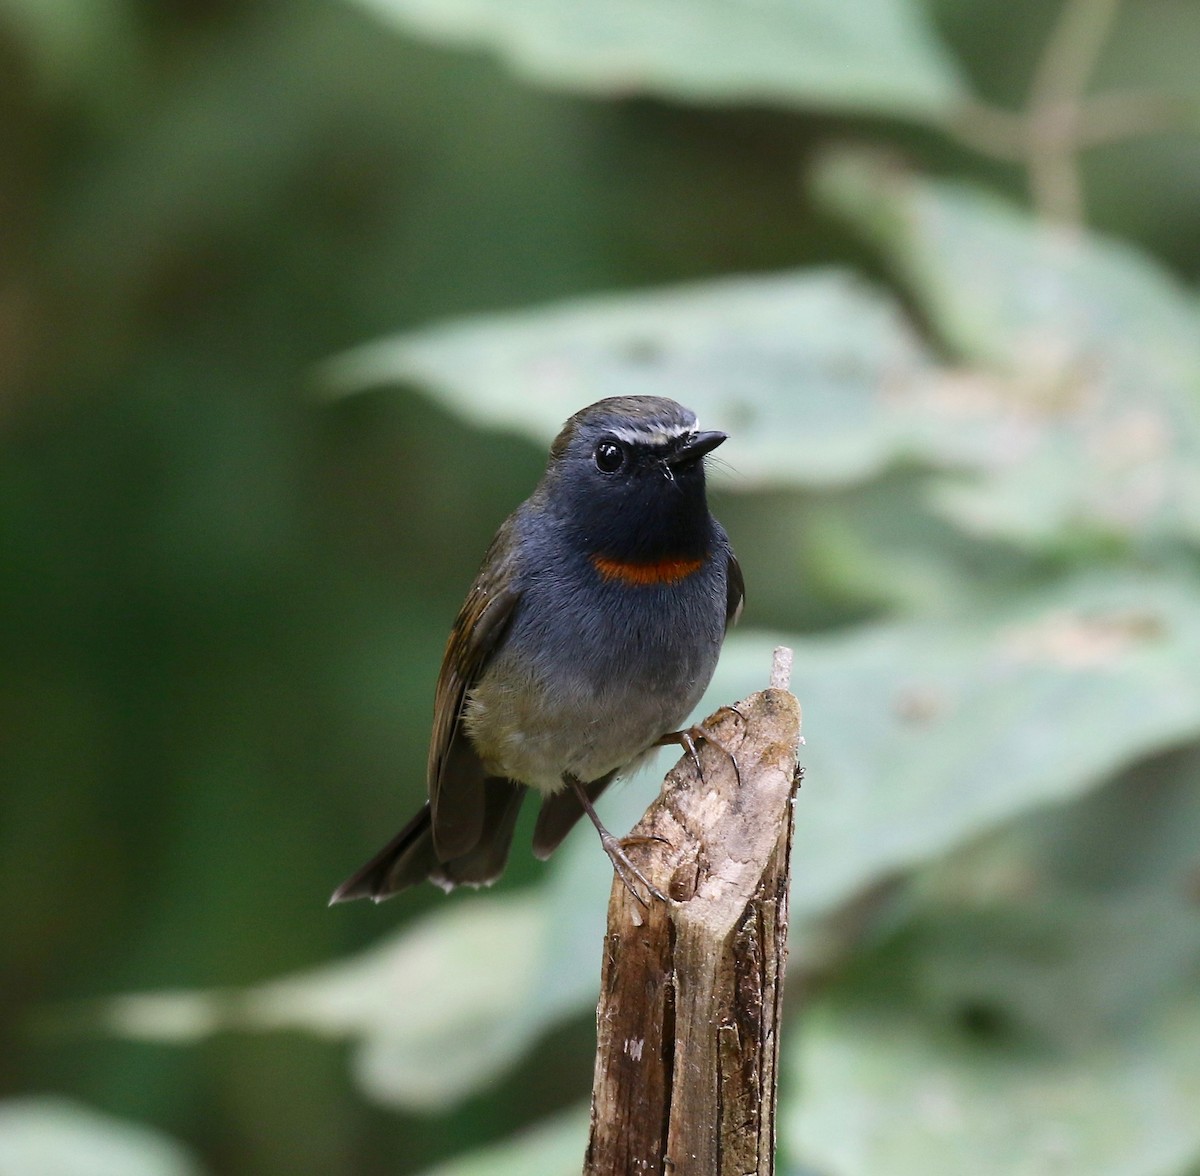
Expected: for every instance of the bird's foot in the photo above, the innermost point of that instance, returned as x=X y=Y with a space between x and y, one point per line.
x=624 y=868
x=615 y=847
x=688 y=737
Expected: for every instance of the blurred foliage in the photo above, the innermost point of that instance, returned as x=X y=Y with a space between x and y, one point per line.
x=52 y=1135
x=292 y=296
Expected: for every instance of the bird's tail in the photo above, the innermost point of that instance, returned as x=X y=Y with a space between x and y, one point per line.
x=410 y=858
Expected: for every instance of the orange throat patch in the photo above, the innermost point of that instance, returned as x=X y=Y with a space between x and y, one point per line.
x=658 y=571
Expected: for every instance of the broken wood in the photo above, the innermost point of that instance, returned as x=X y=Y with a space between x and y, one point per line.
x=688 y=1019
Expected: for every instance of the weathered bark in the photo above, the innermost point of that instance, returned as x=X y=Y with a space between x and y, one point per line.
x=688 y=1019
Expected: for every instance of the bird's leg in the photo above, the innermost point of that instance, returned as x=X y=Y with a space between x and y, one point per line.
x=687 y=740
x=613 y=846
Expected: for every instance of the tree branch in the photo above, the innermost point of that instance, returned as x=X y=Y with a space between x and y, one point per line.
x=688 y=1018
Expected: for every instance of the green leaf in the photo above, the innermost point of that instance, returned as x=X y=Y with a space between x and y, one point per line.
x=871 y=56
x=431 y=1024
x=923 y=734
x=1039 y=1003
x=821 y=381
x=882 y=1090
x=554 y=1148
x=1101 y=348
x=1070 y=923
x=1058 y=967
x=56 y=1137
x=817 y=376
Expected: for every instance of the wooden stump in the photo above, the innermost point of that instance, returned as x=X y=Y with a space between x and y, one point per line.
x=688 y=1019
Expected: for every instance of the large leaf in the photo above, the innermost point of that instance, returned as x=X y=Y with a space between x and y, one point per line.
x=1037 y=1013
x=877 y=56
x=921 y=735
x=818 y=377
x=1083 y=418
x=55 y=1137
x=431 y=1021
x=885 y=1090
x=1068 y=925
x=1102 y=347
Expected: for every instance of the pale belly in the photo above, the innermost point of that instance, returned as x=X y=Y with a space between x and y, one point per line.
x=593 y=716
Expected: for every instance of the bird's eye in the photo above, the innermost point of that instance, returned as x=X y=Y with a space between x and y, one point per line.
x=609 y=457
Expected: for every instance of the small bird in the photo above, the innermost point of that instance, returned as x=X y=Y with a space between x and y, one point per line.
x=588 y=636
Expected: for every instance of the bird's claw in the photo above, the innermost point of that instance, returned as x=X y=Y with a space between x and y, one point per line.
x=687 y=740
x=624 y=868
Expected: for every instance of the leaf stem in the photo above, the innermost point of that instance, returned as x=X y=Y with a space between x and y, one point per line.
x=1060 y=121
x=1055 y=106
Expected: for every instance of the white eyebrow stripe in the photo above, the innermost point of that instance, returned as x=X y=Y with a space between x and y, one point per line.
x=652 y=434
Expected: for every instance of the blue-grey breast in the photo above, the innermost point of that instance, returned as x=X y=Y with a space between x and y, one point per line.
x=587 y=638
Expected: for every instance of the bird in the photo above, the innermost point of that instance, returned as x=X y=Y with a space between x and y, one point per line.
x=586 y=639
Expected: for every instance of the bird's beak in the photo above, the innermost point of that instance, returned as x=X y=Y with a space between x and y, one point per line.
x=694 y=447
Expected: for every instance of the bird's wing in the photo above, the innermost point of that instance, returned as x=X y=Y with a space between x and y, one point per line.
x=735 y=592
x=455 y=774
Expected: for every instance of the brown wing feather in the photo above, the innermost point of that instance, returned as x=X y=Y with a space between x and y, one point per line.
x=455 y=774
x=735 y=592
